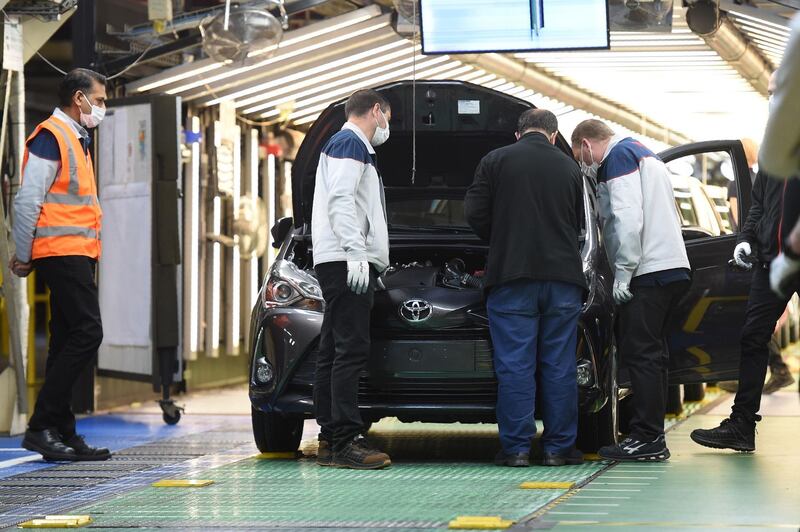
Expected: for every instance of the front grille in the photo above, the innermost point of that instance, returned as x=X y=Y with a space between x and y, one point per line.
x=394 y=390
x=425 y=391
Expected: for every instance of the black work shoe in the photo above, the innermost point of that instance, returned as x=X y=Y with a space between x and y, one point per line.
x=572 y=457
x=324 y=453
x=48 y=443
x=778 y=378
x=360 y=454
x=732 y=433
x=85 y=451
x=512 y=460
x=633 y=450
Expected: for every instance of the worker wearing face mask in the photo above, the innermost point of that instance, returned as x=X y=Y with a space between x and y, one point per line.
x=351 y=247
x=57 y=233
x=643 y=240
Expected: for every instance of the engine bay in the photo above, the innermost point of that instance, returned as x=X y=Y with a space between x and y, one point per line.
x=452 y=273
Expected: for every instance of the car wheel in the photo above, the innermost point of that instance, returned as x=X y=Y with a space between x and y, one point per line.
x=602 y=427
x=275 y=433
x=674 y=402
x=694 y=392
x=785 y=335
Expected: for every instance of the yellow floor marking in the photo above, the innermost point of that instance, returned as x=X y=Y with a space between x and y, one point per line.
x=594 y=457
x=547 y=485
x=177 y=483
x=477 y=522
x=58 y=521
x=277 y=456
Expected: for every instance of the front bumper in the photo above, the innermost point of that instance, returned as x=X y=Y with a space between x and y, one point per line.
x=436 y=378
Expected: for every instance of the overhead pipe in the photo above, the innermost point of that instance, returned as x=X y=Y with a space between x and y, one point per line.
x=546 y=84
x=722 y=36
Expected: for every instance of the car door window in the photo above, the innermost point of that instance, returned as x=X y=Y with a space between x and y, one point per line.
x=705 y=193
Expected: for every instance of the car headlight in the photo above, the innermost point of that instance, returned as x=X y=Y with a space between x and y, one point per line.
x=287 y=285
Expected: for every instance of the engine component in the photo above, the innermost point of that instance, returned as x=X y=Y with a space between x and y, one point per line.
x=456 y=276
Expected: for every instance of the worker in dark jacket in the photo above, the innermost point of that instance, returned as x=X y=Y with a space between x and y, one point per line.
x=759 y=243
x=527 y=202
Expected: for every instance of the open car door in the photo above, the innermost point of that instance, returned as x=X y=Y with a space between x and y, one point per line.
x=705 y=331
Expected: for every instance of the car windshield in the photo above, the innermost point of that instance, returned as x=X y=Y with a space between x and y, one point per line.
x=427 y=214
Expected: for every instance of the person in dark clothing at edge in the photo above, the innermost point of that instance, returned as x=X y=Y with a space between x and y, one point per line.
x=527 y=202
x=643 y=240
x=767 y=213
x=759 y=243
x=350 y=240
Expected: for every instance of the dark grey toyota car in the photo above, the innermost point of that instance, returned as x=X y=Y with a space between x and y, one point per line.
x=431 y=357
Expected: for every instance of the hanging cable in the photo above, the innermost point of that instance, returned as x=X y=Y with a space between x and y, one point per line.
x=114 y=76
x=414 y=96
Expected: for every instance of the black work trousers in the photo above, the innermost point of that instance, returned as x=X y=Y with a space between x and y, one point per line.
x=343 y=354
x=75 y=335
x=764 y=308
x=643 y=351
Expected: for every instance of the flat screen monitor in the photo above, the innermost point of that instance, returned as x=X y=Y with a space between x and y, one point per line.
x=479 y=26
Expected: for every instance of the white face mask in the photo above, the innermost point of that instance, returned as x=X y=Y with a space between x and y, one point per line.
x=95 y=117
x=381 y=133
x=589 y=170
x=771 y=104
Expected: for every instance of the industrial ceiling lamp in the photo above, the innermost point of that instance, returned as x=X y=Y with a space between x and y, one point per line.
x=703 y=17
x=240 y=29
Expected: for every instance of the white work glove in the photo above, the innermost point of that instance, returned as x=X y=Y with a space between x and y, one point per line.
x=740 y=252
x=622 y=292
x=358 y=276
x=784 y=274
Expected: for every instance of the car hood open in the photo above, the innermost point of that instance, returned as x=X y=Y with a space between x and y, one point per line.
x=456 y=122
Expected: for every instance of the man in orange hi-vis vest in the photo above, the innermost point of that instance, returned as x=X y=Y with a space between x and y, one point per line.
x=57 y=232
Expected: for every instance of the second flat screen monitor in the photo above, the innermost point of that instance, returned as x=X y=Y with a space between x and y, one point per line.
x=474 y=26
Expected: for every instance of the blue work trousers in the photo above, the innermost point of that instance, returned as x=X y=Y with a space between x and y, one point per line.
x=534 y=332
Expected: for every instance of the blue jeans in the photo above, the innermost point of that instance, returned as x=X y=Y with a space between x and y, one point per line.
x=534 y=333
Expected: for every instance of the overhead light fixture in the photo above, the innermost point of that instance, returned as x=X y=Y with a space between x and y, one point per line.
x=283 y=80
x=332 y=96
x=344 y=81
x=316 y=80
x=276 y=58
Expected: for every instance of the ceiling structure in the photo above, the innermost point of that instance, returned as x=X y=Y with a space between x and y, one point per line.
x=666 y=88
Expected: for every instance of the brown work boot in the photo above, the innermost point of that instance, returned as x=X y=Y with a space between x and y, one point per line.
x=778 y=378
x=359 y=454
x=324 y=453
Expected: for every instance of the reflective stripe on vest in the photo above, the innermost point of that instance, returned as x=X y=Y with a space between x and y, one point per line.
x=74 y=184
x=65 y=230
x=69 y=222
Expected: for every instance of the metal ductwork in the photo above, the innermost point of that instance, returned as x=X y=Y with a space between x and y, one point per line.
x=730 y=44
x=551 y=86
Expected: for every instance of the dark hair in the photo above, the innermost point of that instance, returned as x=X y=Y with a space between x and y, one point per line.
x=540 y=119
x=360 y=102
x=591 y=129
x=80 y=79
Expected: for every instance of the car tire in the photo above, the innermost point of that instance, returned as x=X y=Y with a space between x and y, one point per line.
x=602 y=427
x=276 y=433
x=694 y=392
x=674 y=401
x=785 y=335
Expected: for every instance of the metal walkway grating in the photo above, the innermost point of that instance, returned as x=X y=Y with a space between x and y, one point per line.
x=50 y=490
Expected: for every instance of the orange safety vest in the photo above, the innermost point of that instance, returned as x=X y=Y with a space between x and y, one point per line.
x=69 y=223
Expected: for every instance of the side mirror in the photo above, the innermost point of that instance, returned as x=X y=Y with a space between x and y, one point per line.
x=281 y=230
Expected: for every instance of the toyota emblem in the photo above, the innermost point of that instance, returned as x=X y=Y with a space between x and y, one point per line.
x=416 y=310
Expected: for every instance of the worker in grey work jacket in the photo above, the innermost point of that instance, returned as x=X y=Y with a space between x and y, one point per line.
x=351 y=247
x=642 y=234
